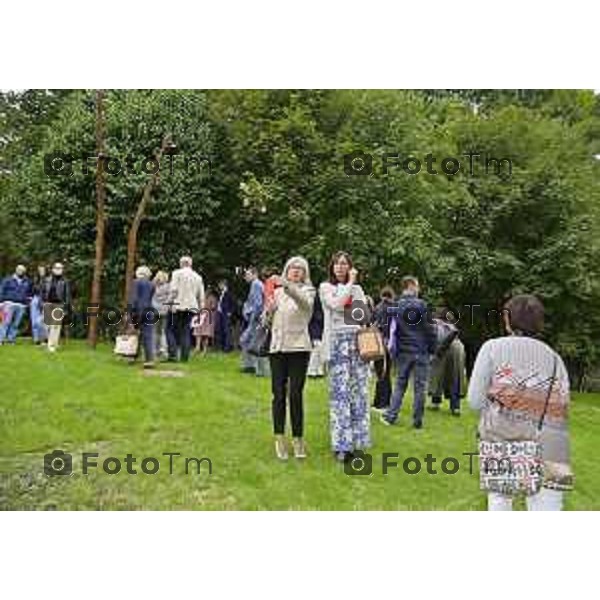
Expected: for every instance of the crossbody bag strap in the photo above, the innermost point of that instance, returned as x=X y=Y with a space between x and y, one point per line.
x=541 y=423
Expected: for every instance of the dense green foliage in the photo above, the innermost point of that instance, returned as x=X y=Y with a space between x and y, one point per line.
x=277 y=186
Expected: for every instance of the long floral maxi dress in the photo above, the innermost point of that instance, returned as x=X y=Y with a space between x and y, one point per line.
x=349 y=405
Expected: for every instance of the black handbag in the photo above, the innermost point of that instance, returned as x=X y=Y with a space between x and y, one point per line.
x=261 y=341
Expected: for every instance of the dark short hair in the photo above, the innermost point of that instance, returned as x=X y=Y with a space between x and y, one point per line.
x=334 y=259
x=409 y=280
x=526 y=314
x=387 y=292
x=251 y=270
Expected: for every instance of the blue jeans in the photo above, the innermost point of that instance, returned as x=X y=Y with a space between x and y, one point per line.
x=418 y=365
x=38 y=327
x=13 y=313
x=146 y=341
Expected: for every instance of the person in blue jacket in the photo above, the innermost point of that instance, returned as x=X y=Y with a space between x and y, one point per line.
x=143 y=312
x=15 y=296
x=412 y=343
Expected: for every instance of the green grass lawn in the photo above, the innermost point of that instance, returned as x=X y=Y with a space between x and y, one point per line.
x=84 y=401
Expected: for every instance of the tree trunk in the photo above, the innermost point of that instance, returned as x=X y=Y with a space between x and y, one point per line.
x=137 y=220
x=96 y=292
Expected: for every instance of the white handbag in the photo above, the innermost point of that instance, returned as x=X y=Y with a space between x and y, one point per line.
x=127 y=345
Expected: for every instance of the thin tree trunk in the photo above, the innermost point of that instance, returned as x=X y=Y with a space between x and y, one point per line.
x=137 y=220
x=96 y=292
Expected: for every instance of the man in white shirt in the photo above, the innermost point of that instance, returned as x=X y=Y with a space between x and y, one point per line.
x=188 y=299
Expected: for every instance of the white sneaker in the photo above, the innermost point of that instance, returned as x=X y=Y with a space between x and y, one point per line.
x=299 y=448
x=281 y=448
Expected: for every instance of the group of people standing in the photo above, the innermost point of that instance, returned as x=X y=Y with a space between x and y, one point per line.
x=311 y=329
x=40 y=296
x=518 y=368
x=184 y=311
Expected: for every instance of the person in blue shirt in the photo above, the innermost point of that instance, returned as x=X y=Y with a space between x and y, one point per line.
x=15 y=296
x=252 y=312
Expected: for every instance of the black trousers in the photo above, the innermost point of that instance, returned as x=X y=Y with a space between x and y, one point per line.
x=383 y=387
x=183 y=335
x=288 y=367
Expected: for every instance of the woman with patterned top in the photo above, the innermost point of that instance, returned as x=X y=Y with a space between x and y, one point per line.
x=342 y=300
x=527 y=381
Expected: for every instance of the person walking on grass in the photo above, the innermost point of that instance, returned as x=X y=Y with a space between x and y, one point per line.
x=411 y=344
x=348 y=373
x=144 y=315
x=188 y=299
x=15 y=296
x=518 y=380
x=56 y=294
x=290 y=310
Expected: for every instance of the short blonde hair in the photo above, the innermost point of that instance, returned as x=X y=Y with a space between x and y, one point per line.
x=161 y=277
x=143 y=272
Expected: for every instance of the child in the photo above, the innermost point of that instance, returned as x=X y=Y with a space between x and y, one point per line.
x=203 y=324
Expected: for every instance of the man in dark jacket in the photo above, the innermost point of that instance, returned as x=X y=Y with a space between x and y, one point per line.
x=411 y=344
x=56 y=295
x=15 y=295
x=225 y=309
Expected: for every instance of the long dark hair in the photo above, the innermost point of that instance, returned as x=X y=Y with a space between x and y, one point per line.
x=334 y=259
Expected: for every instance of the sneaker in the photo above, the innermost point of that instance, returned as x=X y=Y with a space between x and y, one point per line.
x=148 y=365
x=299 y=448
x=455 y=412
x=281 y=448
x=383 y=419
x=418 y=424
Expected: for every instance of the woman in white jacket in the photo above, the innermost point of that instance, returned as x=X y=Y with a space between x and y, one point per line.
x=289 y=353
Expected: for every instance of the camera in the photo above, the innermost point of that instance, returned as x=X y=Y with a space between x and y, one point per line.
x=58 y=163
x=361 y=464
x=58 y=463
x=357 y=313
x=358 y=163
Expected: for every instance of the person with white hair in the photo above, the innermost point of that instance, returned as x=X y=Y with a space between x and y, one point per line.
x=291 y=308
x=15 y=296
x=57 y=297
x=188 y=298
x=143 y=312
